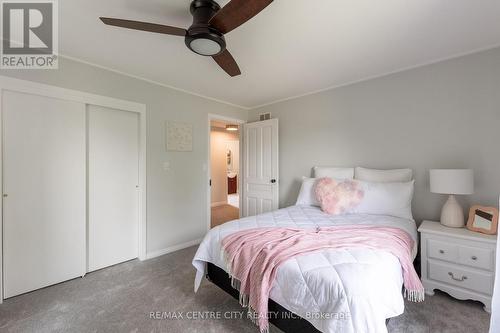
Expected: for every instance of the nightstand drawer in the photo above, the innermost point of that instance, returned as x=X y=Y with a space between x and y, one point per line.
x=461 y=277
x=442 y=250
x=476 y=257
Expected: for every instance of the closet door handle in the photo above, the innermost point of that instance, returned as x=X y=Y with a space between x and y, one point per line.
x=473 y=258
x=441 y=251
x=273 y=181
x=5 y=195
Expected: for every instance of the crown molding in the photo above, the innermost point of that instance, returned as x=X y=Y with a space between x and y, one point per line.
x=152 y=81
x=247 y=108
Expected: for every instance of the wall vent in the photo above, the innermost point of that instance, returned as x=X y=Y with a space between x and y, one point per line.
x=265 y=116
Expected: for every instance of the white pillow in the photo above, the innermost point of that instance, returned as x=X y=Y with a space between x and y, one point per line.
x=392 y=199
x=383 y=176
x=307 y=194
x=340 y=197
x=337 y=173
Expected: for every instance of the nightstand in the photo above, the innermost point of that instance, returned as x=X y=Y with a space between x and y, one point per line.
x=458 y=261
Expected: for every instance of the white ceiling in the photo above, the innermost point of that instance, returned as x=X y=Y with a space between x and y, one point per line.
x=292 y=48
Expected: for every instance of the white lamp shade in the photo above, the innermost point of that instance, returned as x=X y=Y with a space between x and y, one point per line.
x=452 y=181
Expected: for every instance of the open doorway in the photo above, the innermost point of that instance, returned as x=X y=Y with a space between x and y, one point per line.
x=224 y=171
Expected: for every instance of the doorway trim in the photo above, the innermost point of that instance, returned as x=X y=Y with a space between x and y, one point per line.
x=40 y=89
x=240 y=123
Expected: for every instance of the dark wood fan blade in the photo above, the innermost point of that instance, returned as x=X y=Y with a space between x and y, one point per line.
x=237 y=12
x=144 y=26
x=227 y=63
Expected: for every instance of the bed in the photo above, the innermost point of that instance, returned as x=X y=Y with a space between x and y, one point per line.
x=334 y=290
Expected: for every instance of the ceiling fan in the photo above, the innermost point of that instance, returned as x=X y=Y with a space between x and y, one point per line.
x=210 y=23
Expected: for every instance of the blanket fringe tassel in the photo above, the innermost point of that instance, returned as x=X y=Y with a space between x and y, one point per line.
x=254 y=317
x=414 y=295
x=243 y=299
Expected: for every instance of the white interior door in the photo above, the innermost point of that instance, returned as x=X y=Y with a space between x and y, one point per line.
x=113 y=177
x=260 y=181
x=44 y=180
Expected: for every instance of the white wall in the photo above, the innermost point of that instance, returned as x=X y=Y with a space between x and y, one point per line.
x=445 y=115
x=177 y=202
x=218 y=168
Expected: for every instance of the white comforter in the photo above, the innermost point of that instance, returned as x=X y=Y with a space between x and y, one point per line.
x=342 y=291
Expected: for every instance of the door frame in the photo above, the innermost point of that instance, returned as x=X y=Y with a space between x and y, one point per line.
x=33 y=88
x=240 y=123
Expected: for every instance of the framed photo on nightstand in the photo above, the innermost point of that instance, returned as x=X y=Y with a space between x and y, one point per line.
x=483 y=219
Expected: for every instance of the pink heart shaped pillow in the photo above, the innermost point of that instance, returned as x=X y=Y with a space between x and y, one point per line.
x=338 y=197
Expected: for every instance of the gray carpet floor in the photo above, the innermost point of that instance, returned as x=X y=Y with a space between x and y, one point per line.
x=121 y=298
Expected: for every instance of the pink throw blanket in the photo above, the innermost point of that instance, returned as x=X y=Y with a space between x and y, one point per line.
x=253 y=257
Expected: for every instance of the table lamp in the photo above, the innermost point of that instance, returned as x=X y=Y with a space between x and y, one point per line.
x=452 y=182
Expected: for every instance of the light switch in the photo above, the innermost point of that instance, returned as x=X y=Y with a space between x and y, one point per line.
x=166 y=166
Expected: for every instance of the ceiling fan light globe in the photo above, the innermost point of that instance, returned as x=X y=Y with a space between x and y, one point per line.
x=205 y=46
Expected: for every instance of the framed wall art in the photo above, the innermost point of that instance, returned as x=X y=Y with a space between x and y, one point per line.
x=179 y=136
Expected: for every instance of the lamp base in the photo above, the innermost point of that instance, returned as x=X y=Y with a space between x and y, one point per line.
x=452 y=214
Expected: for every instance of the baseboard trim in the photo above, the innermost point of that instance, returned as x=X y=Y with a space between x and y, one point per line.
x=175 y=248
x=217 y=204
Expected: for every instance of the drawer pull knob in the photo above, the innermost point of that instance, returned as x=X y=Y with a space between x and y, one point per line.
x=474 y=258
x=457 y=279
x=441 y=251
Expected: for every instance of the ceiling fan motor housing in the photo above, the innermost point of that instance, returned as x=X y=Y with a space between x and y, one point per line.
x=201 y=38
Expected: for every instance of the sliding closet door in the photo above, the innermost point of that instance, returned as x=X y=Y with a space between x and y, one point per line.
x=44 y=191
x=113 y=176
